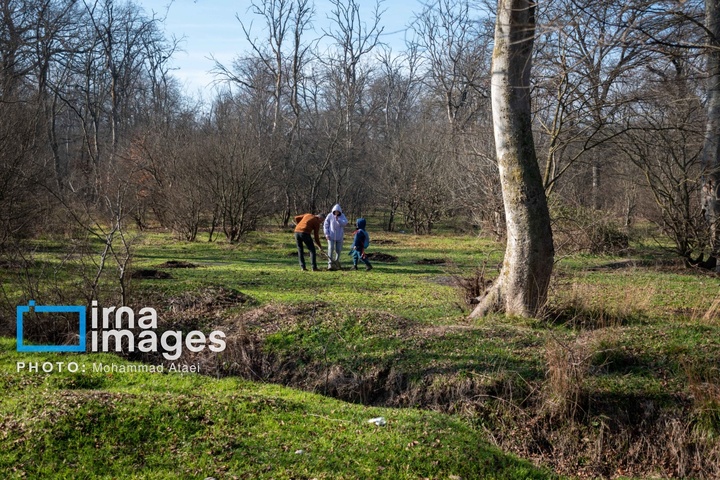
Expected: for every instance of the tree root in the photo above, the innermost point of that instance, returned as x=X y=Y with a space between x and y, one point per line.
x=492 y=301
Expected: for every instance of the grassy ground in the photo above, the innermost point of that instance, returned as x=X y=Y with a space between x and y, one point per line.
x=619 y=377
x=170 y=425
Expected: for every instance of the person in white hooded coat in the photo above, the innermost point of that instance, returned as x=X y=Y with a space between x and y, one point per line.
x=334 y=228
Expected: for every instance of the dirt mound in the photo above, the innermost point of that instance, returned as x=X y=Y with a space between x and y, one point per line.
x=432 y=261
x=176 y=264
x=150 y=273
x=382 y=257
x=210 y=299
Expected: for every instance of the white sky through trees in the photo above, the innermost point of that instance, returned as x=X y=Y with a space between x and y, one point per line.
x=210 y=27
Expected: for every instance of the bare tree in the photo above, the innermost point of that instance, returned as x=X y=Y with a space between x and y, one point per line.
x=276 y=69
x=17 y=18
x=663 y=141
x=19 y=173
x=455 y=49
x=237 y=167
x=521 y=288
x=584 y=70
x=711 y=150
x=282 y=19
x=31 y=34
x=397 y=88
x=348 y=76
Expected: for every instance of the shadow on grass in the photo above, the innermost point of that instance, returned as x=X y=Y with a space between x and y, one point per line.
x=584 y=317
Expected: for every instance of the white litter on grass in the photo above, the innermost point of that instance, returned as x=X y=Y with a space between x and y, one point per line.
x=299 y=452
x=379 y=421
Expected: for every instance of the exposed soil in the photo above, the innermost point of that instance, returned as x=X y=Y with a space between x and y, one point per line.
x=382 y=257
x=209 y=300
x=176 y=264
x=150 y=273
x=432 y=261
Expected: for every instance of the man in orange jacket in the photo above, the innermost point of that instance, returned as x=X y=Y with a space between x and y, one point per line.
x=305 y=225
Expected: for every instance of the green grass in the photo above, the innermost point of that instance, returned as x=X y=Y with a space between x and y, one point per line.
x=637 y=332
x=163 y=425
x=393 y=317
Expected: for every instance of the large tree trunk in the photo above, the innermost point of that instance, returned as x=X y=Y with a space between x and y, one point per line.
x=521 y=288
x=711 y=148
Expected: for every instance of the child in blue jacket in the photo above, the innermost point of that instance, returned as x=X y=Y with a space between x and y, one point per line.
x=361 y=240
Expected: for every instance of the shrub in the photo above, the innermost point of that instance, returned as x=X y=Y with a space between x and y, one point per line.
x=582 y=230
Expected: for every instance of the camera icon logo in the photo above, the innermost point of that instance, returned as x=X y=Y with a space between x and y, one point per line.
x=78 y=309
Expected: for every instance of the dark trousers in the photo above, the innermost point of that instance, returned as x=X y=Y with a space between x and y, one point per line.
x=305 y=238
x=357 y=257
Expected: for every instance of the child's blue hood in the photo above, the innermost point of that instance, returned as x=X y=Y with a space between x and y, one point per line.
x=361 y=223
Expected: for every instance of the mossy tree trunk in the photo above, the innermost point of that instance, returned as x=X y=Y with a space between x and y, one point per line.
x=521 y=289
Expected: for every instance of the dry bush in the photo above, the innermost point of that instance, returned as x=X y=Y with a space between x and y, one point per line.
x=567 y=367
x=583 y=230
x=704 y=386
x=712 y=315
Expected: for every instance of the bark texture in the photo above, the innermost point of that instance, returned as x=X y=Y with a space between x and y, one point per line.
x=711 y=148
x=521 y=289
